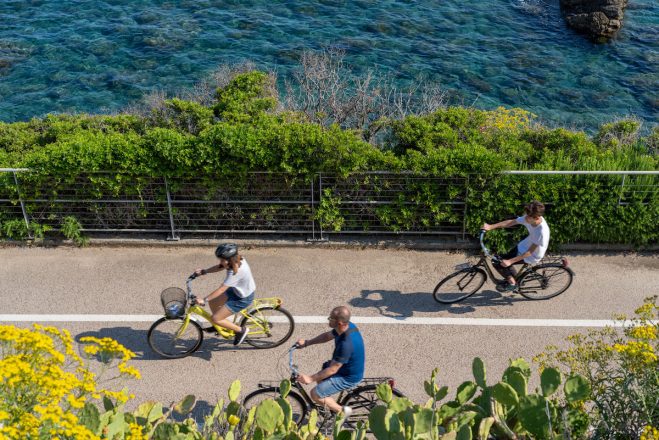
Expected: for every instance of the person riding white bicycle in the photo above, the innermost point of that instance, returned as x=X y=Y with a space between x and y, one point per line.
x=346 y=368
x=236 y=292
x=530 y=250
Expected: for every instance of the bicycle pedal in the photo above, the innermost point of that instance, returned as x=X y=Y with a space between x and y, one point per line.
x=210 y=330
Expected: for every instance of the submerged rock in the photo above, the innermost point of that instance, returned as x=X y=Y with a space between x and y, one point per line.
x=600 y=19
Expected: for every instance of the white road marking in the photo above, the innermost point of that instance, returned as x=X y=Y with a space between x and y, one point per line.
x=494 y=322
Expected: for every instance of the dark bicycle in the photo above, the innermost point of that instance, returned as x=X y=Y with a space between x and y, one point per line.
x=545 y=280
x=361 y=399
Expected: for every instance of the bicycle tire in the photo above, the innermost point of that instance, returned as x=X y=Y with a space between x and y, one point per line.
x=362 y=400
x=467 y=282
x=299 y=406
x=161 y=338
x=537 y=283
x=262 y=338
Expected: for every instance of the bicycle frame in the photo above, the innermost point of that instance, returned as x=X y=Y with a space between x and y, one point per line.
x=195 y=309
x=485 y=262
x=300 y=388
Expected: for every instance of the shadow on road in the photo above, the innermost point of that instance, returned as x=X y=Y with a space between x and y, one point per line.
x=135 y=341
x=395 y=304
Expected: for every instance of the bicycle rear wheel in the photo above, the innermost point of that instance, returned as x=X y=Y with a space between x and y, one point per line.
x=169 y=339
x=362 y=400
x=298 y=405
x=459 y=285
x=268 y=326
x=545 y=281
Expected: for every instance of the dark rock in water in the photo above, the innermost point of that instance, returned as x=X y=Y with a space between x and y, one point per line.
x=600 y=19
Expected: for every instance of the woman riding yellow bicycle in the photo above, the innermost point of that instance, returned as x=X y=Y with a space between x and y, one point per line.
x=236 y=292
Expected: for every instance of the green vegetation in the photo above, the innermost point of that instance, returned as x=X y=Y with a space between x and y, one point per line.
x=246 y=128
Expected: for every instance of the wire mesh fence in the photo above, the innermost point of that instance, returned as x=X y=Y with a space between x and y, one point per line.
x=315 y=207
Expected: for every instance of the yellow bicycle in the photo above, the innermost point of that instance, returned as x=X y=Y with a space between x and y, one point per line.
x=178 y=334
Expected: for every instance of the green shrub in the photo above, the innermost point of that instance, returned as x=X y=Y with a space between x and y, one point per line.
x=622 y=369
x=72 y=230
x=16 y=229
x=247 y=130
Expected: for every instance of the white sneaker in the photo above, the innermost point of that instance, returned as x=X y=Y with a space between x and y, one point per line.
x=240 y=336
x=347 y=411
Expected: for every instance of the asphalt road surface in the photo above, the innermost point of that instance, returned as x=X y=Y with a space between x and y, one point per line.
x=373 y=283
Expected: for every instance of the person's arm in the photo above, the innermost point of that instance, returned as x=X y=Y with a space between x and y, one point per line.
x=323 y=374
x=211 y=269
x=320 y=339
x=327 y=372
x=217 y=292
x=503 y=224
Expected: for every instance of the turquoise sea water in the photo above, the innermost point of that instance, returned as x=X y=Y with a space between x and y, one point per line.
x=99 y=56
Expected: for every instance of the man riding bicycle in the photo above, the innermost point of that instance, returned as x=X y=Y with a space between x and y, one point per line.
x=530 y=250
x=236 y=292
x=346 y=368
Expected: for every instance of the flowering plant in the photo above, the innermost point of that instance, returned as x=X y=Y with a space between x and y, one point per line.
x=45 y=383
x=623 y=370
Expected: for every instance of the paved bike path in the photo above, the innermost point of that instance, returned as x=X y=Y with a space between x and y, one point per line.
x=387 y=283
x=376 y=284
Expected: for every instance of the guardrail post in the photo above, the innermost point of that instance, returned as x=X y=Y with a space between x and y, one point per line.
x=464 y=211
x=173 y=236
x=20 y=199
x=320 y=197
x=313 y=211
x=622 y=188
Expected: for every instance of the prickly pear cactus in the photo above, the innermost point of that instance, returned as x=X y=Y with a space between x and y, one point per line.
x=269 y=416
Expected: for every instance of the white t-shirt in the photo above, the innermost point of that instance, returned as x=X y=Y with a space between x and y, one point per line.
x=538 y=235
x=243 y=281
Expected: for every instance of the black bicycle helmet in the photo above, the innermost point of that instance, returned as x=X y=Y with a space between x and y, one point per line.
x=226 y=251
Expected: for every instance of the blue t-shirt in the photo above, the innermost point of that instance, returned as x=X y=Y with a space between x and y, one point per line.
x=349 y=351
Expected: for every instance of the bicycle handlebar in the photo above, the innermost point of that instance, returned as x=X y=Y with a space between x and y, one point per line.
x=188 y=284
x=486 y=251
x=291 y=365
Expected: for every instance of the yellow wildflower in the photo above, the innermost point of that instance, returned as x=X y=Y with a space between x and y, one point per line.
x=644 y=332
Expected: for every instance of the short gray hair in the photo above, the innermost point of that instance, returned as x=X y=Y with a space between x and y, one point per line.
x=341 y=313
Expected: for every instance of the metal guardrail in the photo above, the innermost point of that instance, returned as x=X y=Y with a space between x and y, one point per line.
x=270 y=203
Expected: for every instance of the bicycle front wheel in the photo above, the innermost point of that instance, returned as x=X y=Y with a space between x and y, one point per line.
x=298 y=406
x=459 y=285
x=268 y=326
x=362 y=400
x=545 y=281
x=171 y=339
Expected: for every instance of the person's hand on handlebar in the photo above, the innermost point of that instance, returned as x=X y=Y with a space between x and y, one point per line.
x=505 y=263
x=200 y=301
x=486 y=227
x=199 y=272
x=301 y=343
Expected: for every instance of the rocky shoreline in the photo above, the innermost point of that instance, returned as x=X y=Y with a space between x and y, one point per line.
x=600 y=19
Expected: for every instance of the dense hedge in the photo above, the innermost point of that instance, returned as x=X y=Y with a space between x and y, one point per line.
x=247 y=130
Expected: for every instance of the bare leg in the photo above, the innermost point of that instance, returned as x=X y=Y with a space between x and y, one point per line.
x=327 y=402
x=222 y=312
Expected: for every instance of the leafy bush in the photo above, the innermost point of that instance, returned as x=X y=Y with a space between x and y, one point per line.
x=248 y=129
x=16 y=229
x=622 y=369
x=72 y=230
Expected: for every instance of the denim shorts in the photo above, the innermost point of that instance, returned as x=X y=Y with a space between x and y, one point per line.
x=333 y=385
x=236 y=303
